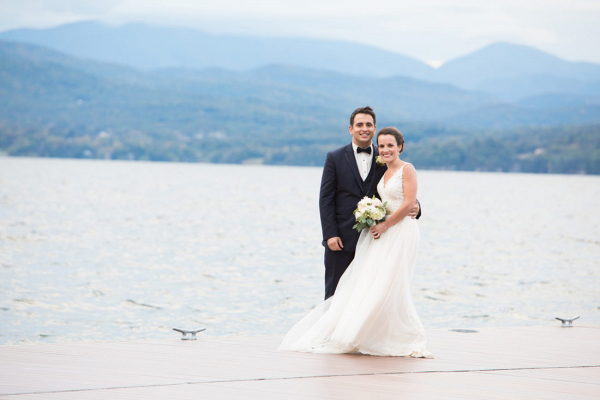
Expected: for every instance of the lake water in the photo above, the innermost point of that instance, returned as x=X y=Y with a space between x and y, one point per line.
x=108 y=250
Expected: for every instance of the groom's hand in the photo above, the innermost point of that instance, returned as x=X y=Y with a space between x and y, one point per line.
x=335 y=244
x=415 y=210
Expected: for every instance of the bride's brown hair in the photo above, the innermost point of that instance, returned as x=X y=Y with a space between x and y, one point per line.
x=390 y=130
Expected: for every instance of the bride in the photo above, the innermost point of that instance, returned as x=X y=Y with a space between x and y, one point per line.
x=372 y=311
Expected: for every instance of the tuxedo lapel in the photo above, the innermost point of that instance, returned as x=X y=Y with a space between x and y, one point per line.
x=376 y=171
x=352 y=161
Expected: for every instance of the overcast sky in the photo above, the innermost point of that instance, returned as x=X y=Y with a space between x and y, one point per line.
x=430 y=30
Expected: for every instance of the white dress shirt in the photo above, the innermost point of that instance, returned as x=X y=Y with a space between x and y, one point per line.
x=363 y=161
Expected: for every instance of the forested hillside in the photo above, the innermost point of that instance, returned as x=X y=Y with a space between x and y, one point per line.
x=54 y=105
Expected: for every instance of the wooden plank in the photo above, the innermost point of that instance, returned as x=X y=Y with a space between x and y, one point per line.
x=232 y=364
x=439 y=385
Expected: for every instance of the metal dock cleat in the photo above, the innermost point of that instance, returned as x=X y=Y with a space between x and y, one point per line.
x=567 y=322
x=184 y=333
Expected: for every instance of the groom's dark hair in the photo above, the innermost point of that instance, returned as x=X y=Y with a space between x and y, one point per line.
x=363 y=110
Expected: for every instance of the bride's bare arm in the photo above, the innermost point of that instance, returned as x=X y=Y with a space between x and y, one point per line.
x=409 y=185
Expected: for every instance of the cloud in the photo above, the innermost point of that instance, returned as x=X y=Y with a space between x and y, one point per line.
x=427 y=29
x=44 y=13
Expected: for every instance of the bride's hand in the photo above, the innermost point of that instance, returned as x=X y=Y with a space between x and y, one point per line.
x=378 y=229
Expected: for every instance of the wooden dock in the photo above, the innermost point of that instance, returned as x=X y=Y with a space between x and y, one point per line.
x=494 y=363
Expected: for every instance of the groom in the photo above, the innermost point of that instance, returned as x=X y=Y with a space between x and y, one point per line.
x=350 y=173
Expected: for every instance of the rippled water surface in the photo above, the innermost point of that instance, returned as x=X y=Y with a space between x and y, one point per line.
x=107 y=250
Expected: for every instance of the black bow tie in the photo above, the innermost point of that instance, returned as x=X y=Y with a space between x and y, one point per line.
x=365 y=150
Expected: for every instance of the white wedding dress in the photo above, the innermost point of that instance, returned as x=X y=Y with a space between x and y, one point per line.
x=372 y=311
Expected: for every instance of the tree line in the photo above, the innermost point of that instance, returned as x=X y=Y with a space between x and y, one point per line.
x=565 y=149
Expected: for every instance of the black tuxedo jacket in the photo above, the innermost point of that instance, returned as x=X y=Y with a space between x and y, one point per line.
x=341 y=190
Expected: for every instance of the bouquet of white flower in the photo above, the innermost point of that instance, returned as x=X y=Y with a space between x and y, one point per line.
x=368 y=212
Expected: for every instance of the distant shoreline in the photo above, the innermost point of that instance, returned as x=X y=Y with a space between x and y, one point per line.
x=255 y=163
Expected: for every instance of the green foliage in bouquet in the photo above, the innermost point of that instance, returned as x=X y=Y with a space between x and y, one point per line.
x=369 y=212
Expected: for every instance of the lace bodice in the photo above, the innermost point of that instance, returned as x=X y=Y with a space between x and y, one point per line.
x=392 y=191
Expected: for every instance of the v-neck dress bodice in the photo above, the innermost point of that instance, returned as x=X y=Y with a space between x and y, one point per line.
x=392 y=191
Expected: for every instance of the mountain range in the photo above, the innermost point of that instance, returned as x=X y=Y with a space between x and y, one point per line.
x=98 y=96
x=44 y=86
x=147 y=47
x=506 y=71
